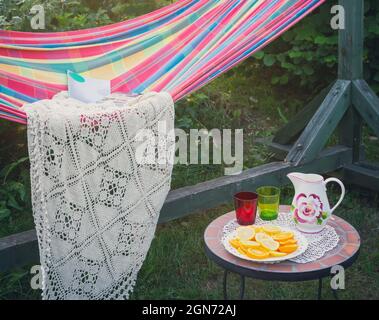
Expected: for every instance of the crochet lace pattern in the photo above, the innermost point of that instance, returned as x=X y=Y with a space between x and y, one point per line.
x=95 y=204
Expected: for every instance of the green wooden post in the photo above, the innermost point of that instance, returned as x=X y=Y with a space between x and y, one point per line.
x=350 y=65
x=366 y=103
x=350 y=68
x=323 y=123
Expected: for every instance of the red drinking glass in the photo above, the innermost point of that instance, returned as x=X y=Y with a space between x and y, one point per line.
x=245 y=204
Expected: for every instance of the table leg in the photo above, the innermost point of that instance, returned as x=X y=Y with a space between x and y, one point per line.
x=224 y=285
x=319 y=292
x=242 y=286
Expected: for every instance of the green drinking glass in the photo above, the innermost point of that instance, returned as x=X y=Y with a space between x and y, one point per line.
x=268 y=202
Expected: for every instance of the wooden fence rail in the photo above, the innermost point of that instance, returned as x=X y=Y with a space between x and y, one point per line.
x=22 y=248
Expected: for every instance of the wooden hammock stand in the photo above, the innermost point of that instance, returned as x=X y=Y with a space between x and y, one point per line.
x=342 y=106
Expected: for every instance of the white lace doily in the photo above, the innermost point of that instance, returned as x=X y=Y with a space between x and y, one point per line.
x=318 y=243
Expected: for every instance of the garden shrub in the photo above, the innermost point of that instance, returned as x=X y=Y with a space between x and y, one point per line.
x=308 y=53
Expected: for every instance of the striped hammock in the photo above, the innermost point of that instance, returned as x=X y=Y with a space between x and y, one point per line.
x=178 y=48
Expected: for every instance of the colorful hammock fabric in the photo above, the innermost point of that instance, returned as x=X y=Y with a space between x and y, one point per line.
x=178 y=49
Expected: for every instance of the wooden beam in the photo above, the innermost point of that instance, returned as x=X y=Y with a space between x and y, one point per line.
x=350 y=133
x=322 y=125
x=280 y=151
x=22 y=248
x=362 y=175
x=212 y=193
x=18 y=249
x=350 y=66
x=289 y=132
x=366 y=103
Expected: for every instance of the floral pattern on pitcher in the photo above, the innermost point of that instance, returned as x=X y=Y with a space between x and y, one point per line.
x=309 y=209
x=310 y=206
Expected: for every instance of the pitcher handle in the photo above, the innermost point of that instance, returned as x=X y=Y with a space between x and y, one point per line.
x=342 y=191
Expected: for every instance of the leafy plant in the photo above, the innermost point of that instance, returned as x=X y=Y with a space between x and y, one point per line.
x=308 y=53
x=61 y=15
x=14 y=194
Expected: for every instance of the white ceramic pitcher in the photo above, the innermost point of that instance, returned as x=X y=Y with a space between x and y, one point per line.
x=310 y=206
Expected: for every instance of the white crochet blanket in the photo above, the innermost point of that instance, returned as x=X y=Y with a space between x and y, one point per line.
x=95 y=204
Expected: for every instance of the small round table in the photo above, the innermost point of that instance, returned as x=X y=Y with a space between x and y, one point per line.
x=344 y=254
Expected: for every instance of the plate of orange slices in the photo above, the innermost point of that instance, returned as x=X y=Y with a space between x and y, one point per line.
x=265 y=243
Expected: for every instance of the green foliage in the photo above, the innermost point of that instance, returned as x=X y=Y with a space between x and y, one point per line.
x=15 y=202
x=9 y=13
x=308 y=53
x=16 y=285
x=14 y=195
x=371 y=44
x=304 y=52
x=61 y=15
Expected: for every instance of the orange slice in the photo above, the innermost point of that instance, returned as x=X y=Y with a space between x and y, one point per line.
x=260 y=236
x=257 y=254
x=290 y=241
x=257 y=228
x=241 y=251
x=271 y=229
x=283 y=236
x=277 y=254
x=270 y=244
x=245 y=233
x=249 y=244
x=288 y=248
x=235 y=243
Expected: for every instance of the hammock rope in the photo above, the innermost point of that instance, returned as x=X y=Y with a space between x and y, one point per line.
x=178 y=48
